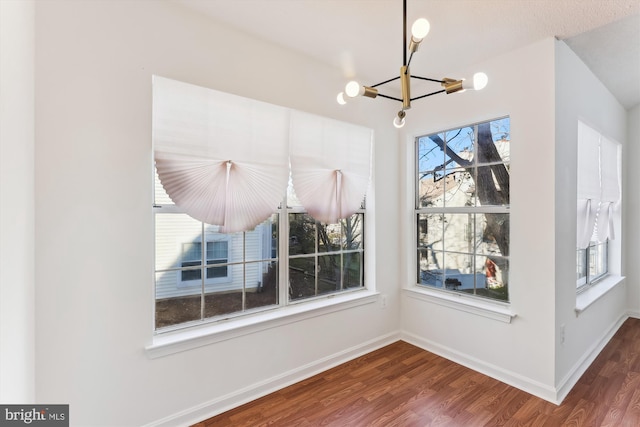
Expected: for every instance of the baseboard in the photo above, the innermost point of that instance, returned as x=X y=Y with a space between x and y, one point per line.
x=217 y=406
x=521 y=382
x=634 y=313
x=581 y=366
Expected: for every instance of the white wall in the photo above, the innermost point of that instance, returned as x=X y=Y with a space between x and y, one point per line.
x=580 y=95
x=521 y=85
x=17 y=318
x=94 y=230
x=631 y=160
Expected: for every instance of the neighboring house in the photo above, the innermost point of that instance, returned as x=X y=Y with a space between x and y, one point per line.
x=175 y=254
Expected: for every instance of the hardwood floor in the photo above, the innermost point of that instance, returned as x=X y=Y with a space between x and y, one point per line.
x=402 y=385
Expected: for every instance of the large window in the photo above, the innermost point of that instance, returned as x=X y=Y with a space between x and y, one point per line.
x=231 y=161
x=240 y=273
x=462 y=209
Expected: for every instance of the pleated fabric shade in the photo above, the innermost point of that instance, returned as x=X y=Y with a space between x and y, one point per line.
x=330 y=165
x=222 y=158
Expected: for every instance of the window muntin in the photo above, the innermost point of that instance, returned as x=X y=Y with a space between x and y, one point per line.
x=462 y=209
x=324 y=258
x=243 y=272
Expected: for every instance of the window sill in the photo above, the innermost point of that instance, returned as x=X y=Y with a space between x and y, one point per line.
x=490 y=309
x=586 y=298
x=187 y=339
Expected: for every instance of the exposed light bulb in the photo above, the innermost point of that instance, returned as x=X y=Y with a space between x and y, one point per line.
x=398 y=122
x=353 y=89
x=340 y=98
x=480 y=81
x=420 y=29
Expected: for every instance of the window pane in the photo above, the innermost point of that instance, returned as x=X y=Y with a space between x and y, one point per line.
x=493 y=185
x=261 y=242
x=458 y=271
x=329 y=268
x=174 y=233
x=460 y=189
x=352 y=232
x=219 y=303
x=581 y=266
x=302 y=234
x=216 y=272
x=492 y=274
x=496 y=135
x=302 y=277
x=264 y=291
x=430 y=231
x=430 y=271
x=492 y=234
x=217 y=250
x=430 y=190
x=352 y=270
x=430 y=155
x=458 y=232
x=329 y=237
x=459 y=147
x=173 y=310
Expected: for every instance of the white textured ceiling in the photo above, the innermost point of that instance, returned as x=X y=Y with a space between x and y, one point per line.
x=364 y=37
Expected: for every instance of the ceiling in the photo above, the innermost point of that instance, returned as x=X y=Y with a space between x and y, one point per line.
x=364 y=37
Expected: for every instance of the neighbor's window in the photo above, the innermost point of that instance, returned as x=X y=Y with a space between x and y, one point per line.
x=239 y=273
x=462 y=209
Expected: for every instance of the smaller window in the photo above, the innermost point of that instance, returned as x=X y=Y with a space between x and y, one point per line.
x=592 y=263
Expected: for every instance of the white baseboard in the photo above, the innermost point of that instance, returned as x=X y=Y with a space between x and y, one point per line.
x=521 y=382
x=574 y=374
x=634 y=313
x=224 y=403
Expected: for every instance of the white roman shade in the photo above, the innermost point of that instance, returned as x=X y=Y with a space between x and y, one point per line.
x=330 y=165
x=223 y=159
x=598 y=185
x=610 y=186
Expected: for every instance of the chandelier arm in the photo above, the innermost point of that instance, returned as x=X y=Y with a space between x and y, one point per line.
x=429 y=94
x=428 y=79
x=385 y=82
x=409 y=62
x=390 y=97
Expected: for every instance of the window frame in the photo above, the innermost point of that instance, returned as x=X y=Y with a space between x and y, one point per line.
x=490 y=306
x=282 y=259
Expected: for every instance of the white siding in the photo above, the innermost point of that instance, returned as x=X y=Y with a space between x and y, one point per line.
x=174 y=230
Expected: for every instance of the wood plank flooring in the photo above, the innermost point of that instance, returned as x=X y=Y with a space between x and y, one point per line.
x=402 y=385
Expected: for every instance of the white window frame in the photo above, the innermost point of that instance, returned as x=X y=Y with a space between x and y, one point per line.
x=486 y=305
x=283 y=269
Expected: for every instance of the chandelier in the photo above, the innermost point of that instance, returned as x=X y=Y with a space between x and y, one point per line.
x=419 y=31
